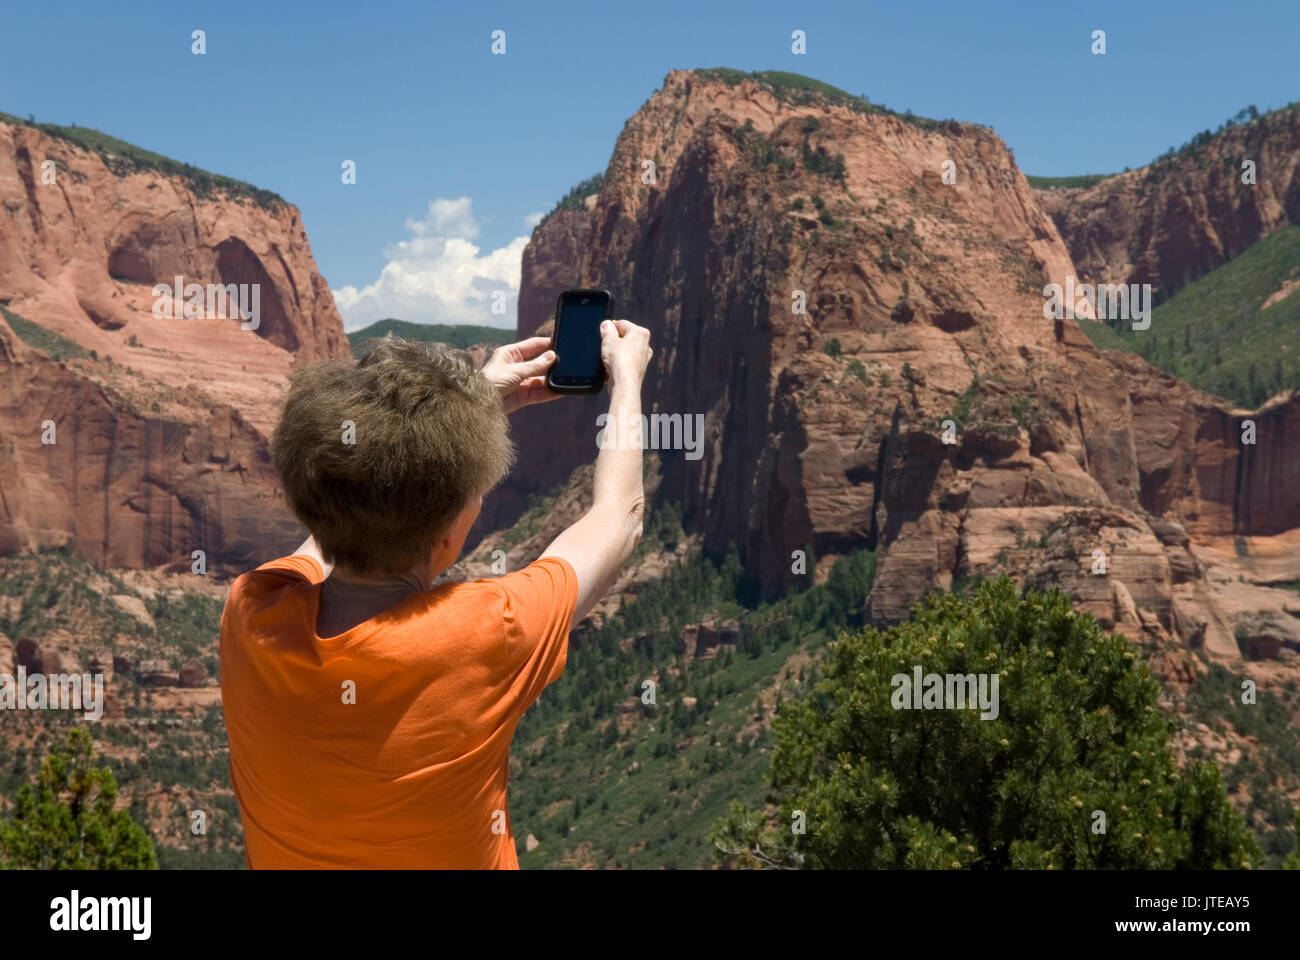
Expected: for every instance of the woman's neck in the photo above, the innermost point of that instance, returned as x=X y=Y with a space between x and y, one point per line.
x=414 y=579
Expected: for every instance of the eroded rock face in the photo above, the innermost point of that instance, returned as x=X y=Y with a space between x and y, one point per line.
x=703 y=641
x=828 y=428
x=69 y=248
x=127 y=488
x=1171 y=221
x=156 y=673
x=160 y=428
x=193 y=673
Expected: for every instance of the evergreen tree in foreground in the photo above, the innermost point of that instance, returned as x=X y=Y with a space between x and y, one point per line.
x=1078 y=737
x=67 y=822
x=1292 y=861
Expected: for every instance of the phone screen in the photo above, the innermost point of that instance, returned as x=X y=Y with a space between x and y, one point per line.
x=577 y=342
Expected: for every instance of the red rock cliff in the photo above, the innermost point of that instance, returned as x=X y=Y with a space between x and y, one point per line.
x=161 y=425
x=1175 y=219
x=824 y=428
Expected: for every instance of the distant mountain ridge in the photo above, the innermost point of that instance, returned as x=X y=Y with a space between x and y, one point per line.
x=1188 y=211
x=463 y=336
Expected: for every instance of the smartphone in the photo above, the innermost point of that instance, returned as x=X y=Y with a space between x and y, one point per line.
x=576 y=341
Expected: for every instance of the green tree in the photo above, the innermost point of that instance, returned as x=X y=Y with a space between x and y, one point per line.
x=67 y=821
x=1292 y=861
x=1078 y=731
x=848 y=584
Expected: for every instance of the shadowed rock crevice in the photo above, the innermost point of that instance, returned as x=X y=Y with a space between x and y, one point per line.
x=237 y=264
x=953 y=321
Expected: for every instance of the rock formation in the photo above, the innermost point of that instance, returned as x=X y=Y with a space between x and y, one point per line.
x=1178 y=218
x=919 y=402
x=160 y=426
x=193 y=673
x=703 y=641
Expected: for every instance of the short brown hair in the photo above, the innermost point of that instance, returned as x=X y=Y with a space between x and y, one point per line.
x=429 y=435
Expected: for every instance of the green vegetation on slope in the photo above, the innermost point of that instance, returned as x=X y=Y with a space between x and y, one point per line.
x=1214 y=334
x=539 y=506
x=1056 y=183
x=602 y=777
x=1077 y=736
x=123 y=158
x=39 y=338
x=802 y=91
x=458 y=335
x=1101 y=335
x=574 y=199
x=58 y=591
x=1262 y=778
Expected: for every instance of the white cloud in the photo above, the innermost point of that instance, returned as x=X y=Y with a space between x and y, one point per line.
x=438 y=275
x=533 y=219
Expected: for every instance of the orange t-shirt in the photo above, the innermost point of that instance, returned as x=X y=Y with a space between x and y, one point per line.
x=387 y=745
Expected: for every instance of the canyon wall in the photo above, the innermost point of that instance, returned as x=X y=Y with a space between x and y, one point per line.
x=827 y=316
x=1178 y=218
x=160 y=426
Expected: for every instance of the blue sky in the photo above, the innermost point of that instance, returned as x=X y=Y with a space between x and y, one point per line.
x=457 y=149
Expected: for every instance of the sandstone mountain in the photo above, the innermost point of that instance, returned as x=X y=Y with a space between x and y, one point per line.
x=161 y=425
x=731 y=200
x=1185 y=214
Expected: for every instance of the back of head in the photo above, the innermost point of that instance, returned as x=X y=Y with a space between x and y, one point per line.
x=378 y=458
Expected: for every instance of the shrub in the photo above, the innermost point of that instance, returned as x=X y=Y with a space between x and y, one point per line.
x=1078 y=730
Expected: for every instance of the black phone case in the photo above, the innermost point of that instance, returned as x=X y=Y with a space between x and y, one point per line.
x=599 y=385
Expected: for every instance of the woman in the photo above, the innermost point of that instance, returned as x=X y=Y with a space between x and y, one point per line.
x=369 y=716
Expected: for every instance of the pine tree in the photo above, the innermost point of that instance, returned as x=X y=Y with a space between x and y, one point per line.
x=67 y=821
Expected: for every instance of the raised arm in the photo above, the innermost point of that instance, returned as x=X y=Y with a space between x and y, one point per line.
x=600 y=543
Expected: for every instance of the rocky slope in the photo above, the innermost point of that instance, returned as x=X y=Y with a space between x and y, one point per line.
x=824 y=429
x=1180 y=217
x=161 y=425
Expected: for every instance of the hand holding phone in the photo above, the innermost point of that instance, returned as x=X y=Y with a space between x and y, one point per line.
x=578 y=366
x=625 y=350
